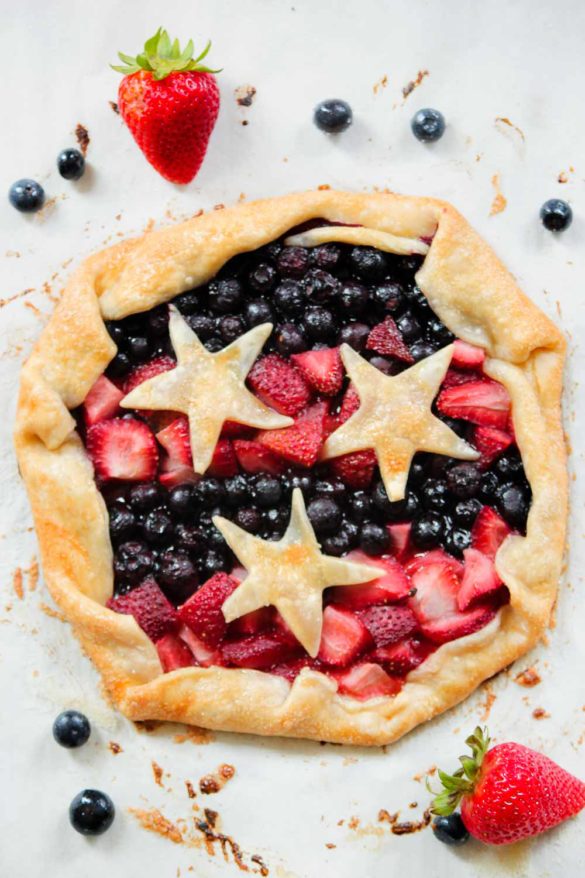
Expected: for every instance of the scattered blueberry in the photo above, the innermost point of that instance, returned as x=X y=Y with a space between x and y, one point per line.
x=556 y=215
x=450 y=830
x=71 y=729
x=428 y=125
x=25 y=195
x=71 y=164
x=333 y=116
x=91 y=812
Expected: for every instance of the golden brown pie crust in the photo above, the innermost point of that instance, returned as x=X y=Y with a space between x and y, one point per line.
x=473 y=294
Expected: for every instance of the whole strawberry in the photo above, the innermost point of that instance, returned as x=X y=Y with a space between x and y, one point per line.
x=508 y=792
x=170 y=102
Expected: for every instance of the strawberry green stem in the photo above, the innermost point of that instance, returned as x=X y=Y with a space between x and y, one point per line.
x=162 y=57
x=462 y=782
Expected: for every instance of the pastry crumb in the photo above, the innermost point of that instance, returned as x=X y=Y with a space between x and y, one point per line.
x=115 y=748
x=540 y=713
x=528 y=678
x=245 y=95
x=154 y=821
x=82 y=136
x=157 y=773
x=414 y=83
x=213 y=783
x=190 y=789
x=114 y=107
x=499 y=202
x=503 y=120
x=50 y=611
x=382 y=83
x=330 y=845
x=195 y=735
x=17 y=583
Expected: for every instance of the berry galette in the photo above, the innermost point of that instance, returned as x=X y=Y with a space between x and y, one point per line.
x=297 y=467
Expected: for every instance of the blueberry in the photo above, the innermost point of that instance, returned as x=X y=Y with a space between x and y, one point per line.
x=181 y=499
x=422 y=349
x=450 y=830
x=326 y=256
x=122 y=523
x=513 y=503
x=133 y=562
x=289 y=339
x=488 y=486
x=289 y=297
x=355 y=335
x=374 y=539
x=388 y=367
x=145 y=496
x=509 y=465
x=138 y=348
x=210 y=492
x=390 y=296
x=428 y=530
x=556 y=215
x=157 y=527
x=214 y=344
x=225 y=295
x=91 y=812
x=417 y=470
x=273 y=250
x=177 y=575
x=333 y=116
x=262 y=277
x=367 y=263
x=319 y=323
x=71 y=164
x=237 y=490
x=293 y=261
x=26 y=195
x=457 y=540
x=464 y=480
x=337 y=545
x=333 y=488
x=119 y=366
x=409 y=265
x=188 y=303
x=267 y=491
x=276 y=520
x=305 y=482
x=351 y=532
x=434 y=494
x=360 y=504
x=203 y=326
x=258 y=311
x=428 y=125
x=438 y=332
x=115 y=332
x=249 y=518
x=191 y=538
x=352 y=298
x=71 y=729
x=409 y=327
x=213 y=561
x=320 y=287
x=158 y=322
x=466 y=511
x=231 y=328
x=325 y=515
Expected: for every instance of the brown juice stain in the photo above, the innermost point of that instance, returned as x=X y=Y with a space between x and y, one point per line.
x=195 y=735
x=499 y=202
x=50 y=611
x=213 y=783
x=487 y=703
x=414 y=83
x=245 y=95
x=540 y=713
x=82 y=136
x=115 y=748
x=382 y=83
x=17 y=583
x=190 y=789
x=528 y=678
x=154 y=821
x=501 y=121
x=157 y=773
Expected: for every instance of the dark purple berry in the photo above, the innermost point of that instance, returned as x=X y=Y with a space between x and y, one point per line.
x=122 y=523
x=333 y=116
x=428 y=530
x=258 y=311
x=422 y=349
x=262 y=277
x=267 y=491
x=320 y=287
x=374 y=539
x=177 y=575
x=352 y=298
x=157 y=527
x=237 y=491
x=71 y=729
x=189 y=303
x=513 y=504
x=181 y=499
x=428 y=125
x=320 y=324
x=355 y=335
x=293 y=261
x=231 y=328
x=325 y=515
x=466 y=511
x=434 y=494
x=556 y=215
x=158 y=322
x=225 y=295
x=119 y=366
x=289 y=297
x=337 y=545
x=203 y=326
x=91 y=812
x=133 y=562
x=71 y=164
x=464 y=480
x=326 y=256
x=450 y=829
x=209 y=492
x=457 y=540
x=146 y=495
x=438 y=332
x=367 y=263
x=138 y=348
x=249 y=518
x=409 y=327
x=213 y=561
x=390 y=296
x=289 y=339
x=488 y=486
x=360 y=504
x=191 y=538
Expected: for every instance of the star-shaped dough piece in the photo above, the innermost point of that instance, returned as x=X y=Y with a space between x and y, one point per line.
x=395 y=417
x=290 y=574
x=208 y=388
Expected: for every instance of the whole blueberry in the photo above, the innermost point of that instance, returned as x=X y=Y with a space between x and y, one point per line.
x=249 y=518
x=225 y=295
x=427 y=530
x=276 y=520
x=422 y=349
x=231 y=328
x=237 y=490
x=428 y=125
x=417 y=470
x=119 y=366
x=203 y=326
x=188 y=303
x=409 y=327
x=464 y=480
x=466 y=511
x=488 y=486
x=374 y=539
x=337 y=545
x=350 y=530
x=145 y=496
x=138 y=348
x=122 y=523
x=133 y=561
x=556 y=215
x=258 y=311
x=409 y=265
x=304 y=481
x=191 y=538
x=25 y=195
x=367 y=263
x=177 y=574
x=262 y=277
x=513 y=504
x=390 y=296
x=320 y=287
x=181 y=499
x=289 y=339
x=213 y=561
x=289 y=297
x=388 y=367
x=272 y=250
x=333 y=488
x=267 y=491
x=71 y=164
x=434 y=494
x=293 y=261
x=437 y=331
x=333 y=116
x=457 y=540
x=71 y=729
x=451 y=829
x=509 y=465
x=355 y=335
x=361 y=506
x=115 y=332
x=209 y=492
x=325 y=515
x=157 y=527
x=319 y=323
x=327 y=256
x=91 y=812
x=352 y=298
x=158 y=322
x=214 y=344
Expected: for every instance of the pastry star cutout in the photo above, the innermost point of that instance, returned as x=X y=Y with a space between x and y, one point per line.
x=290 y=574
x=395 y=417
x=208 y=388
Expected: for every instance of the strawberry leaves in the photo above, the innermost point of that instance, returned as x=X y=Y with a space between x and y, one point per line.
x=462 y=781
x=162 y=57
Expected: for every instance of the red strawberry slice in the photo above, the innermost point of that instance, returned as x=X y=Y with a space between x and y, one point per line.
x=467 y=356
x=400 y=658
x=490 y=442
x=367 y=680
x=489 y=532
x=481 y=402
x=149 y=606
x=260 y=652
x=454 y=378
x=233 y=430
x=256 y=458
x=436 y=556
x=176 y=475
x=280 y=385
x=102 y=401
x=175 y=440
x=223 y=463
x=355 y=469
x=343 y=637
x=479 y=579
x=252 y=623
x=202 y=613
x=174 y=653
x=388 y=624
x=323 y=369
x=122 y=449
x=392 y=585
x=460 y=625
x=349 y=405
x=148 y=370
x=205 y=656
x=302 y=442
x=290 y=670
x=385 y=339
x=399 y=539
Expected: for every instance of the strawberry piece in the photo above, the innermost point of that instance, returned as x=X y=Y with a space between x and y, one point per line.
x=122 y=449
x=355 y=469
x=479 y=579
x=260 y=652
x=256 y=458
x=176 y=475
x=367 y=680
x=102 y=401
x=233 y=430
x=349 y=405
x=291 y=669
x=148 y=370
x=175 y=440
x=323 y=369
x=454 y=378
x=252 y=623
x=343 y=638
x=280 y=385
x=459 y=625
x=149 y=606
x=202 y=613
x=385 y=339
x=392 y=585
x=205 y=656
x=489 y=532
x=490 y=442
x=481 y=402
x=223 y=463
x=301 y=443
x=400 y=658
x=387 y=624
x=436 y=556
x=467 y=356
x=174 y=653
x=399 y=538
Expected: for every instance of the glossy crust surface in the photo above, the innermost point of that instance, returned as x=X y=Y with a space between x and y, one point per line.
x=473 y=294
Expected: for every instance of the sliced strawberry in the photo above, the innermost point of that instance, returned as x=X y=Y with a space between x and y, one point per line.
x=323 y=369
x=399 y=538
x=454 y=378
x=175 y=440
x=355 y=469
x=223 y=463
x=122 y=449
x=252 y=623
x=174 y=653
x=170 y=476
x=392 y=585
x=349 y=405
x=205 y=656
x=260 y=652
x=467 y=356
x=459 y=625
x=343 y=638
x=479 y=578
x=280 y=384
x=233 y=430
x=401 y=657
x=148 y=370
x=385 y=339
x=291 y=669
x=102 y=401
x=301 y=443
x=481 y=402
x=489 y=532
x=490 y=442
x=436 y=556
x=367 y=680
x=202 y=613
x=149 y=606
x=256 y=458
x=389 y=623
